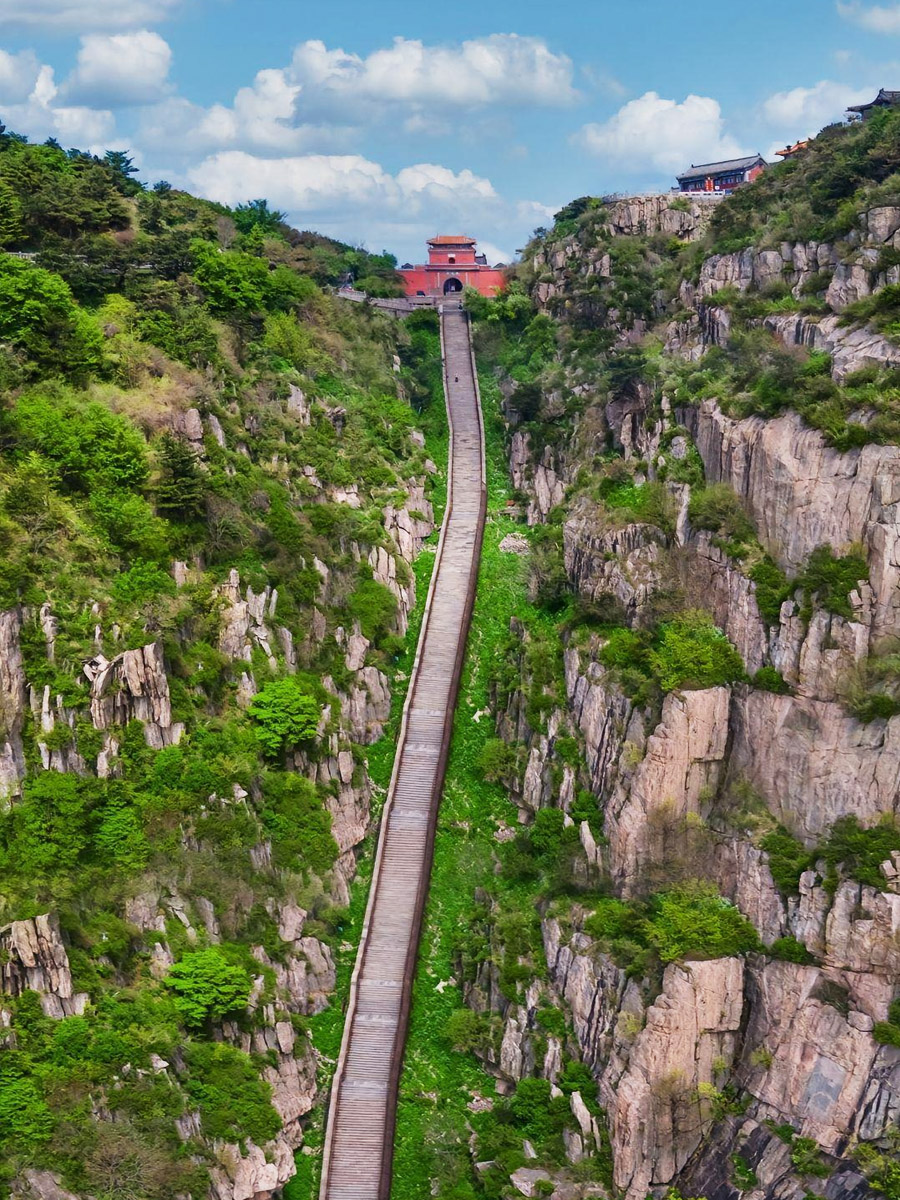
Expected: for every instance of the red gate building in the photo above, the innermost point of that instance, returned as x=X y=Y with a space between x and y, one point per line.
x=453 y=264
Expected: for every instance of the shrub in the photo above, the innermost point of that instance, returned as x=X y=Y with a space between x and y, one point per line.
x=648 y=503
x=90 y=446
x=237 y=283
x=788 y=949
x=25 y=1119
x=806 y=1158
x=860 y=851
x=297 y=821
x=788 y=859
x=464 y=1029
x=286 y=338
x=46 y=834
x=772 y=588
x=286 y=714
x=718 y=509
x=611 y=919
x=208 y=987
x=496 y=760
x=691 y=652
x=886 y=1033
x=550 y=837
x=770 y=679
x=881 y=1168
x=375 y=607
x=183 y=331
x=234 y=1102
x=128 y=524
x=120 y=838
x=142 y=581
x=693 y=920
x=536 y=1114
x=831 y=578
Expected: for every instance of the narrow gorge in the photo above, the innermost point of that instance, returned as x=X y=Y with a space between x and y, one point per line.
x=660 y=953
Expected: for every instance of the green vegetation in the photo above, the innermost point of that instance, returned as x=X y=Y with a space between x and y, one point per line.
x=208 y=987
x=872 y=691
x=849 y=851
x=754 y=374
x=816 y=195
x=287 y=715
x=881 y=1164
x=685 y=922
x=691 y=652
x=440 y=1073
x=178 y=387
x=694 y=921
x=788 y=859
x=788 y=949
x=688 y=651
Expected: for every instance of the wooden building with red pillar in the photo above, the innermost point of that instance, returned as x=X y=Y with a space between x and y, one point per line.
x=453 y=264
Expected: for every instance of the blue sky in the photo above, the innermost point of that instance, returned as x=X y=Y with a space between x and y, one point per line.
x=383 y=123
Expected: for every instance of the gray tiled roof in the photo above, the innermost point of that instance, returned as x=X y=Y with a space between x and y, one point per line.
x=883 y=95
x=718 y=168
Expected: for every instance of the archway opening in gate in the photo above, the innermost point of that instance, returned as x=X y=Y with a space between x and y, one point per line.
x=452 y=285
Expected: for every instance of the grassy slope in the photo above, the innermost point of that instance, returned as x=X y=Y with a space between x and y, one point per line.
x=437 y=1081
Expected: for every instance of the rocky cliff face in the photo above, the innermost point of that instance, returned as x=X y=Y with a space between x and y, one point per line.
x=86 y=697
x=720 y=1075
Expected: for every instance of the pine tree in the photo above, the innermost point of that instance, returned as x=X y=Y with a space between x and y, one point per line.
x=10 y=215
x=180 y=491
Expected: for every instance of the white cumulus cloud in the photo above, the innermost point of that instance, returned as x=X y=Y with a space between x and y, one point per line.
x=18 y=75
x=803 y=111
x=40 y=115
x=503 y=68
x=876 y=18
x=338 y=184
x=651 y=132
x=323 y=95
x=348 y=196
x=63 y=16
x=121 y=69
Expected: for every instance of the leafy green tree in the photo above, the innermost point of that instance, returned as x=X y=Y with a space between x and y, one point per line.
x=120 y=838
x=48 y=831
x=24 y=1115
x=286 y=714
x=142 y=581
x=243 y=285
x=286 y=338
x=123 y=170
x=374 y=606
x=39 y=316
x=89 y=445
x=208 y=987
x=465 y=1029
x=256 y=214
x=128 y=523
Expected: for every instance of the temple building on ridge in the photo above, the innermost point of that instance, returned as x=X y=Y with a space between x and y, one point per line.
x=721 y=176
x=453 y=264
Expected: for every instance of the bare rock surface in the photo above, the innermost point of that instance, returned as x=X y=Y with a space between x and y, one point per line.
x=35 y=959
x=802 y=494
x=133 y=687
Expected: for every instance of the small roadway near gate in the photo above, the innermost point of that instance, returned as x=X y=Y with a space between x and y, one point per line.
x=359 y=1138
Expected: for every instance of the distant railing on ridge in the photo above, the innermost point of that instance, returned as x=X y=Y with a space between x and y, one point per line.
x=404 y=304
